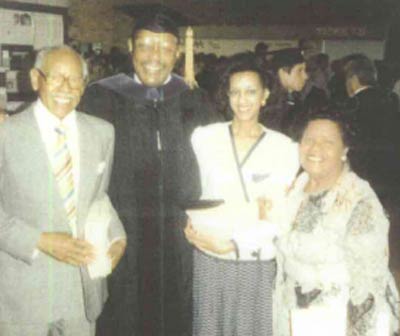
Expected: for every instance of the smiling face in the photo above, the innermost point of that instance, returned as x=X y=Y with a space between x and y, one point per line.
x=246 y=95
x=321 y=150
x=295 y=79
x=59 y=82
x=154 y=56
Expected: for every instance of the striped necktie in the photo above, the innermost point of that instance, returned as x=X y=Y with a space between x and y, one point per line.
x=64 y=176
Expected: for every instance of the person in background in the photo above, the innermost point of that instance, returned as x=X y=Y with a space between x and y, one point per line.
x=375 y=152
x=335 y=278
x=242 y=163
x=285 y=109
x=154 y=113
x=119 y=61
x=55 y=165
x=315 y=92
x=261 y=52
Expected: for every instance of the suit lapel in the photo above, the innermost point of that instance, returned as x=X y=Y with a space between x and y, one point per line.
x=39 y=162
x=40 y=159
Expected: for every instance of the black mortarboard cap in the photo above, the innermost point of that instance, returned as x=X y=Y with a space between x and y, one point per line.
x=287 y=57
x=158 y=22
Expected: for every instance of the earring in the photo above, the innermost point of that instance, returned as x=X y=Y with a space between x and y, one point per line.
x=343 y=158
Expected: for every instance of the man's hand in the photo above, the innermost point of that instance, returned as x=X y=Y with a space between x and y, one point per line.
x=65 y=248
x=207 y=242
x=116 y=251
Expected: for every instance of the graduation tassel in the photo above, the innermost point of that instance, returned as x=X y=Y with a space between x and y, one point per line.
x=189 y=59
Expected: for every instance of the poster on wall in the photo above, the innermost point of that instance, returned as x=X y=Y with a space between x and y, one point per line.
x=17 y=27
x=31 y=28
x=49 y=30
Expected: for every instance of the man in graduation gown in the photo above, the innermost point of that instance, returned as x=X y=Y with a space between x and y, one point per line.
x=155 y=171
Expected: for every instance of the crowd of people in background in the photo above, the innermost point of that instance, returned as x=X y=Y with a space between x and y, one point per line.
x=324 y=73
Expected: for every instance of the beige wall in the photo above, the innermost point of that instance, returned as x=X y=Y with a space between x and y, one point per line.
x=227 y=47
x=59 y=3
x=97 y=21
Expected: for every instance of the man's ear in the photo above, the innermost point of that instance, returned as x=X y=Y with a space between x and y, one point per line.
x=178 y=54
x=130 y=44
x=283 y=75
x=35 y=77
x=356 y=82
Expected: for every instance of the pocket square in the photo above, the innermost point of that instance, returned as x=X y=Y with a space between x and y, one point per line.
x=100 y=168
x=259 y=177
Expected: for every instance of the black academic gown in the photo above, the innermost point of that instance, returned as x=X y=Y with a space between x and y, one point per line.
x=154 y=173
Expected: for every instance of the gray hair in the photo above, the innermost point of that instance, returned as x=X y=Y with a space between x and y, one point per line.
x=44 y=53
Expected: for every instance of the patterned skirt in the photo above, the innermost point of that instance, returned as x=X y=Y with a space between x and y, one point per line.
x=232 y=298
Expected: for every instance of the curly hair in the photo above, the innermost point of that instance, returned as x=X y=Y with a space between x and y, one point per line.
x=242 y=62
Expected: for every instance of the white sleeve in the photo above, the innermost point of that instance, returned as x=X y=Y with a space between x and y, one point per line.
x=199 y=146
x=256 y=241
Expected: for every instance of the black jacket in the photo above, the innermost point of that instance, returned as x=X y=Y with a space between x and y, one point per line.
x=375 y=152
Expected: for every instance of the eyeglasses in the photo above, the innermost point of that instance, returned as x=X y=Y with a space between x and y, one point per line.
x=58 y=79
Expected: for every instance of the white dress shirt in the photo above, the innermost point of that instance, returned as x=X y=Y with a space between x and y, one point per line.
x=137 y=79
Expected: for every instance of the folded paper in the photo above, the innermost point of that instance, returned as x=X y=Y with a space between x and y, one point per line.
x=96 y=233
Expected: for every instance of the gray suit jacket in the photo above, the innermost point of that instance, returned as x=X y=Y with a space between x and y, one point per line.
x=43 y=289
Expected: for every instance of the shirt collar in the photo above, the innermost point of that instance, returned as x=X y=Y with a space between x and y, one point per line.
x=361 y=89
x=43 y=115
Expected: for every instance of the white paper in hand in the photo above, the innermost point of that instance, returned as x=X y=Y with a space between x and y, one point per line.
x=222 y=221
x=96 y=233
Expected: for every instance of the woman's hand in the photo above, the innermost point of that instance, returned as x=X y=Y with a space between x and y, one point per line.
x=264 y=207
x=207 y=242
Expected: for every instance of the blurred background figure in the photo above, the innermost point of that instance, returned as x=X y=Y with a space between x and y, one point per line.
x=316 y=92
x=261 y=52
x=285 y=107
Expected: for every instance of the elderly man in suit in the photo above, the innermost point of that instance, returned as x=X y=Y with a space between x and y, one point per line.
x=55 y=164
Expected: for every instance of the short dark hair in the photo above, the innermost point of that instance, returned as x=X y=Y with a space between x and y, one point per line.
x=157 y=22
x=362 y=67
x=241 y=62
x=335 y=113
x=287 y=59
